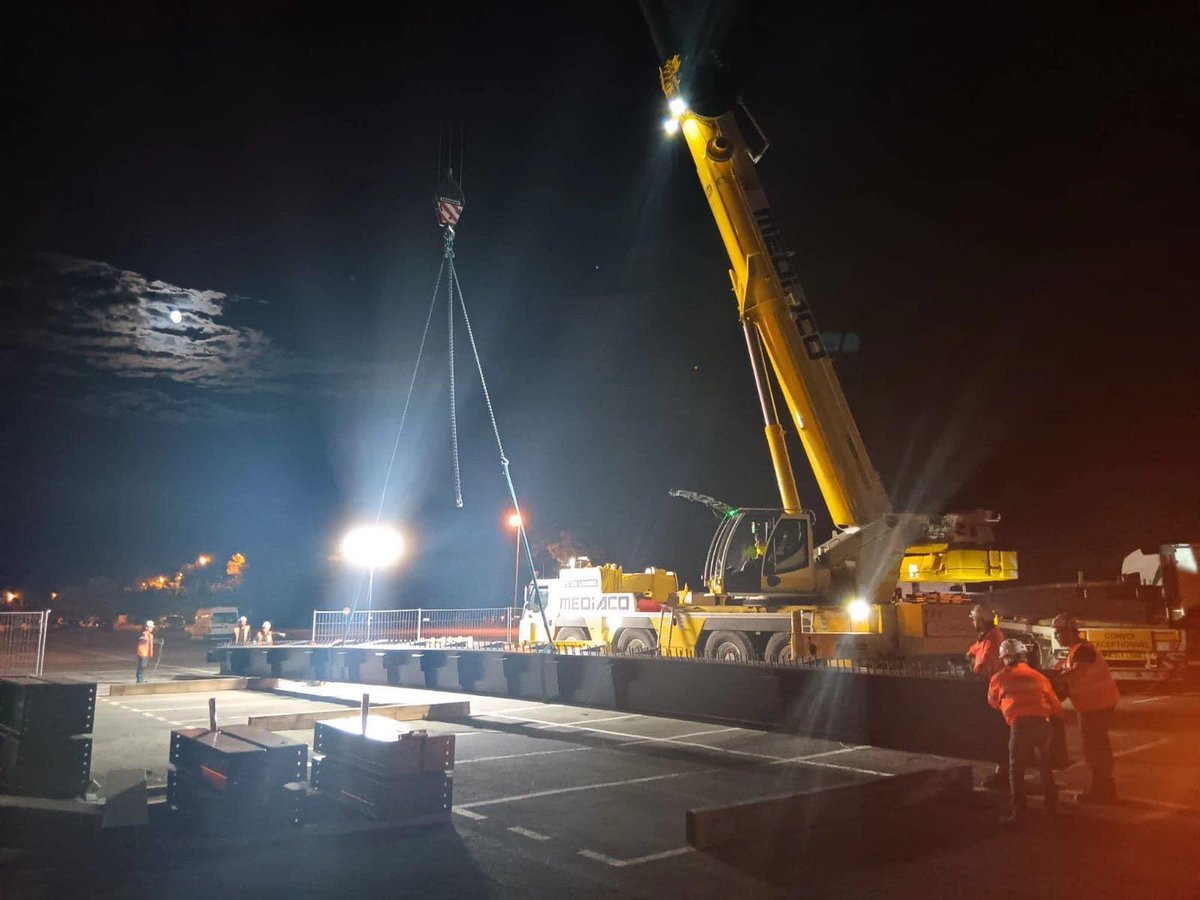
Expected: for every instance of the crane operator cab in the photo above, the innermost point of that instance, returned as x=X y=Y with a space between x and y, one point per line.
x=760 y=552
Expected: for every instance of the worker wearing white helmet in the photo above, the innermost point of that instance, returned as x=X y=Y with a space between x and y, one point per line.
x=1093 y=692
x=1028 y=702
x=145 y=649
x=983 y=659
x=265 y=635
x=241 y=631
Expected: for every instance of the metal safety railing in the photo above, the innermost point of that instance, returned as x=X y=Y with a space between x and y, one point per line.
x=23 y=642
x=401 y=626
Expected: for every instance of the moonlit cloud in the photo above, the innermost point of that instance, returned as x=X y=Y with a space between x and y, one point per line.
x=83 y=315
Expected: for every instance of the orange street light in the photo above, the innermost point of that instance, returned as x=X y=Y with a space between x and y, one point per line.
x=515 y=522
x=203 y=559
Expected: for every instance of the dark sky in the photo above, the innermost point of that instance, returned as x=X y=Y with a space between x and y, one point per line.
x=999 y=202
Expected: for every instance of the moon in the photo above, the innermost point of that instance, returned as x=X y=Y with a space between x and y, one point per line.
x=176 y=316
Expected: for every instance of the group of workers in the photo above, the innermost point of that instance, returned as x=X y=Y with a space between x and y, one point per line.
x=147 y=643
x=1031 y=704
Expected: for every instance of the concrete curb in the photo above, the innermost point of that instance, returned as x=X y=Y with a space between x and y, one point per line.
x=186 y=686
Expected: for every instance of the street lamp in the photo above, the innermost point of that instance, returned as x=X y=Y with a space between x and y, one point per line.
x=515 y=523
x=372 y=547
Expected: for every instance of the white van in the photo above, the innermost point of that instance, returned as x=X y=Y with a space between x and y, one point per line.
x=215 y=624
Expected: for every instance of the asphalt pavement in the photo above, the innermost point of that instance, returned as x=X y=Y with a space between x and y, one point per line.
x=553 y=801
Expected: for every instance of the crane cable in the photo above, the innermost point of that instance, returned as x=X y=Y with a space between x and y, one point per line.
x=449 y=258
x=504 y=463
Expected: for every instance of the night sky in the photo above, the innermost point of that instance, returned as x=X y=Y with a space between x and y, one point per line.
x=999 y=202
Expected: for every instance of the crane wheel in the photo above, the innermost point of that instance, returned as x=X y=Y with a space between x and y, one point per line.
x=728 y=646
x=636 y=642
x=779 y=649
x=571 y=634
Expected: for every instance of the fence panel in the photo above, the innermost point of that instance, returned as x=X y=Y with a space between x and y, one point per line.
x=396 y=626
x=361 y=626
x=23 y=642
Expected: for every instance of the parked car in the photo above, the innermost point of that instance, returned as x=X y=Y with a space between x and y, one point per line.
x=172 y=623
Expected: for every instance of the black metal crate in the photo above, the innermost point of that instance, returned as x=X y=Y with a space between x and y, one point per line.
x=47 y=706
x=287 y=759
x=225 y=762
x=57 y=767
x=423 y=795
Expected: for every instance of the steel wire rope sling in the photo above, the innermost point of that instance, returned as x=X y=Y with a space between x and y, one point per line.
x=387 y=477
x=504 y=463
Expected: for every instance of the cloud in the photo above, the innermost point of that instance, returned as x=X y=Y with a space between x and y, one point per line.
x=81 y=316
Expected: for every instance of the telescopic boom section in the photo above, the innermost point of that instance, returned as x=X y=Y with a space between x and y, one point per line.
x=772 y=303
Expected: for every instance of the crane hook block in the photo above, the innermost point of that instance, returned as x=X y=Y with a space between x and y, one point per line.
x=448 y=201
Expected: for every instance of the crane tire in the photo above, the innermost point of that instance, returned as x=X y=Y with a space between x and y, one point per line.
x=730 y=646
x=636 y=642
x=571 y=634
x=779 y=649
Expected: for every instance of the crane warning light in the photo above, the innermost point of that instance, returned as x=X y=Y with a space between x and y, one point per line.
x=671 y=126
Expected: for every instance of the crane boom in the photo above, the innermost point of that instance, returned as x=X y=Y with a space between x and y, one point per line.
x=779 y=324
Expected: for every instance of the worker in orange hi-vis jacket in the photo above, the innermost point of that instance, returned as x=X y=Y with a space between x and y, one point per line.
x=983 y=659
x=1093 y=692
x=145 y=649
x=1027 y=700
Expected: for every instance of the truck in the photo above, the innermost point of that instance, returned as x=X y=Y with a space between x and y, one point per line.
x=770 y=590
x=214 y=624
x=1136 y=622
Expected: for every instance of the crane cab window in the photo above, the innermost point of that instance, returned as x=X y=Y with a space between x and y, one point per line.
x=789 y=547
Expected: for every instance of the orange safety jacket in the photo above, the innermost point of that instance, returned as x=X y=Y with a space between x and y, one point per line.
x=986 y=653
x=241 y=634
x=146 y=645
x=1022 y=692
x=1090 y=685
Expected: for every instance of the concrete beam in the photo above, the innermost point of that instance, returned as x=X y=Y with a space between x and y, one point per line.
x=186 y=686
x=756 y=820
x=402 y=712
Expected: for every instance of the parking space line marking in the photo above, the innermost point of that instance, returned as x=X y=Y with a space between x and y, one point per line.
x=1148 y=699
x=810 y=760
x=462 y=762
x=620 y=734
x=525 y=832
x=466 y=813
x=518 y=709
x=1140 y=747
x=678 y=737
x=602 y=719
x=515 y=798
x=637 y=860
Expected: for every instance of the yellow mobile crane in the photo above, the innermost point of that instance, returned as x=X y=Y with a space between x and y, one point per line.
x=770 y=592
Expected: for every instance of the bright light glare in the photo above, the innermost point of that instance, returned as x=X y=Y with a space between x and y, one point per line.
x=373 y=546
x=514 y=520
x=677 y=106
x=671 y=126
x=176 y=316
x=858 y=609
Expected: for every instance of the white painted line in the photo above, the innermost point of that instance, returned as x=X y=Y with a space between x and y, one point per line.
x=149 y=715
x=676 y=741
x=525 y=832
x=516 y=798
x=463 y=762
x=517 y=709
x=637 y=860
x=678 y=737
x=1141 y=747
x=466 y=813
x=810 y=760
x=1148 y=699
x=601 y=719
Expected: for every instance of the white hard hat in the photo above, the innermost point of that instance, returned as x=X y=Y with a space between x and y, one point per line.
x=149 y=623
x=1012 y=648
x=266 y=624
x=242 y=620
